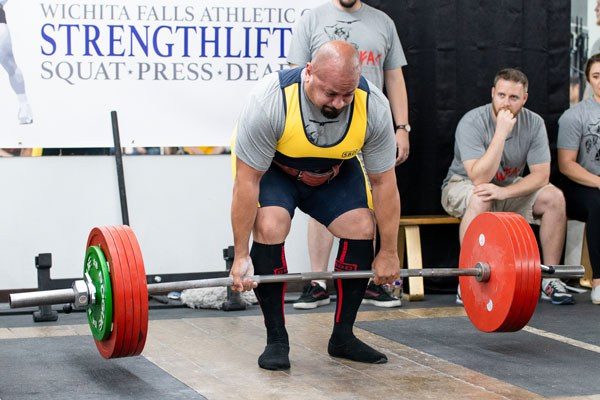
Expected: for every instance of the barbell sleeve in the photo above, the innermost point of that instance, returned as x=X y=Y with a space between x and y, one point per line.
x=41 y=298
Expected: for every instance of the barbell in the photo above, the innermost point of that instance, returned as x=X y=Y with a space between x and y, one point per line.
x=499 y=251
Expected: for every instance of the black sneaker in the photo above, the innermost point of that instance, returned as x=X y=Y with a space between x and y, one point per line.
x=378 y=296
x=555 y=291
x=313 y=296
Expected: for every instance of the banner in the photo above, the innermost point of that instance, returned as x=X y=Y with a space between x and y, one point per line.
x=177 y=72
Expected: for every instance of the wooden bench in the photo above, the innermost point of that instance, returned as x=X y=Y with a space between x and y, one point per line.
x=586 y=281
x=409 y=237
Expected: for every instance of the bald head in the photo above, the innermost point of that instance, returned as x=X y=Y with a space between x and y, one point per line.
x=337 y=57
x=332 y=77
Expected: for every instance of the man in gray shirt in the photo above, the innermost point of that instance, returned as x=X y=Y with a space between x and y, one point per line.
x=374 y=35
x=493 y=145
x=297 y=141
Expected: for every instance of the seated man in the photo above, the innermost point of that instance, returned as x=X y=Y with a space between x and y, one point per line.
x=298 y=136
x=493 y=145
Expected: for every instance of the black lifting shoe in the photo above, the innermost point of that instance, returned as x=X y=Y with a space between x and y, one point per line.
x=275 y=357
x=356 y=350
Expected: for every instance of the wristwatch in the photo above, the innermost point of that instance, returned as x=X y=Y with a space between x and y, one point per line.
x=406 y=127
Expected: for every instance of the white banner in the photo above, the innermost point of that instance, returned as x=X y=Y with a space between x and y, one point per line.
x=176 y=71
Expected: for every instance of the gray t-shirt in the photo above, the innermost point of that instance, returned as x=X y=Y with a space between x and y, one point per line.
x=262 y=122
x=579 y=129
x=371 y=31
x=527 y=144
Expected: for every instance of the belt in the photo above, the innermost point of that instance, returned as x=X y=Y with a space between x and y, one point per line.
x=310 y=178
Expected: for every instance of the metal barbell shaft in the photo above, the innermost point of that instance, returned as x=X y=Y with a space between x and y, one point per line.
x=156 y=288
x=49 y=297
x=481 y=272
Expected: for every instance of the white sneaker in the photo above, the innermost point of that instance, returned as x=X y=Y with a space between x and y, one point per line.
x=458 y=297
x=596 y=295
x=554 y=290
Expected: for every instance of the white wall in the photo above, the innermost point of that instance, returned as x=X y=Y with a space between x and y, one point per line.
x=178 y=207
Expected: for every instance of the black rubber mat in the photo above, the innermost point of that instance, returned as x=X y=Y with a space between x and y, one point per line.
x=70 y=368
x=536 y=363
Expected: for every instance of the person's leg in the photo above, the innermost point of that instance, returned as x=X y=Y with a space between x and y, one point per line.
x=475 y=206
x=583 y=204
x=320 y=241
x=343 y=205
x=549 y=208
x=7 y=60
x=355 y=253
x=268 y=257
x=271 y=227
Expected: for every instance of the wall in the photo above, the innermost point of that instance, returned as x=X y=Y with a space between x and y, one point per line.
x=178 y=207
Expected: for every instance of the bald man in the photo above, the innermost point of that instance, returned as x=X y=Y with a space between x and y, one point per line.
x=298 y=136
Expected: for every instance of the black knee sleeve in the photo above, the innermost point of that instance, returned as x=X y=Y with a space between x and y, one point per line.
x=353 y=255
x=269 y=259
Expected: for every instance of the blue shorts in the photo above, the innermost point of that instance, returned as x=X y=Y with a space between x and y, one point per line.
x=349 y=190
x=2 y=15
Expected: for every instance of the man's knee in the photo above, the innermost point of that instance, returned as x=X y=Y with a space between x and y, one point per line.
x=272 y=225
x=478 y=205
x=354 y=224
x=550 y=199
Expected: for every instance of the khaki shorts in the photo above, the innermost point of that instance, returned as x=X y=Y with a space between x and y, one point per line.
x=458 y=191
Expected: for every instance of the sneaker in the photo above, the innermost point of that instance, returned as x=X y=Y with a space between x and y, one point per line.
x=458 y=297
x=555 y=291
x=379 y=297
x=596 y=295
x=313 y=296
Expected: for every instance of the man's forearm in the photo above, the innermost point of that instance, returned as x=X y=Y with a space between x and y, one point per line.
x=575 y=172
x=484 y=169
x=527 y=185
x=243 y=213
x=386 y=203
x=396 y=93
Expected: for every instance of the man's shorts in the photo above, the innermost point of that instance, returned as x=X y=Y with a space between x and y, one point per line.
x=458 y=191
x=347 y=191
x=2 y=15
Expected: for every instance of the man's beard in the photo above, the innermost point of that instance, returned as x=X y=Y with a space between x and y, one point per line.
x=347 y=4
x=330 y=112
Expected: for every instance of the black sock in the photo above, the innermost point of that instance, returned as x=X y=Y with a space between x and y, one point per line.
x=269 y=259
x=353 y=255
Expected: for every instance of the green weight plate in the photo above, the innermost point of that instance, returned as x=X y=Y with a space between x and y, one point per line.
x=100 y=314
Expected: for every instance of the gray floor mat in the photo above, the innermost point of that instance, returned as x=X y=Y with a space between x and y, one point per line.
x=70 y=367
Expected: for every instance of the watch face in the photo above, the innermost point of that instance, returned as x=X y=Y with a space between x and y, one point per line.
x=405 y=127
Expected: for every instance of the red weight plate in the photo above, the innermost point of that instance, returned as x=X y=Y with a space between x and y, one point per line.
x=130 y=272
x=139 y=262
x=110 y=347
x=521 y=255
x=142 y=291
x=535 y=273
x=128 y=294
x=488 y=304
x=516 y=250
